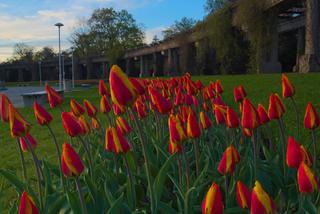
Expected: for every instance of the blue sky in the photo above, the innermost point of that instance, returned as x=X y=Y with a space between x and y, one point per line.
x=31 y=21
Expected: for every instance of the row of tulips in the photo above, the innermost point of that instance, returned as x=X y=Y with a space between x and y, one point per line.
x=139 y=117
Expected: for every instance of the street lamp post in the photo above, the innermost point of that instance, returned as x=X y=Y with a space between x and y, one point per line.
x=59 y=25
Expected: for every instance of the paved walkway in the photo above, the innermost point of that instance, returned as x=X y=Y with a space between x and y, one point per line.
x=14 y=93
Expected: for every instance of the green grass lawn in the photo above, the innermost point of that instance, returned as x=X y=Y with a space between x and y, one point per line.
x=258 y=89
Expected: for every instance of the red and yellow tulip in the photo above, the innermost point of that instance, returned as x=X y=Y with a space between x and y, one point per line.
x=294 y=154
x=212 y=203
x=24 y=145
x=228 y=161
x=287 y=87
x=71 y=125
x=104 y=105
x=263 y=115
x=27 y=205
x=103 y=89
x=123 y=126
x=311 y=118
x=174 y=147
x=176 y=130
x=54 y=97
x=307 y=180
x=232 y=118
x=76 y=108
x=42 y=116
x=243 y=196
x=19 y=127
x=115 y=142
x=91 y=109
x=250 y=117
x=276 y=108
x=123 y=92
x=193 y=127
x=261 y=203
x=4 y=108
x=71 y=163
x=205 y=121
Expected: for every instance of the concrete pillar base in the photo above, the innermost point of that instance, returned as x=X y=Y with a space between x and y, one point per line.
x=308 y=63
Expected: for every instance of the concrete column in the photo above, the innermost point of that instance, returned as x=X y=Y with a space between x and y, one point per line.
x=129 y=66
x=20 y=75
x=142 y=66
x=270 y=59
x=310 y=61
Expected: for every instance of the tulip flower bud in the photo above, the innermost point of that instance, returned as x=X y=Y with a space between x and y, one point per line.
x=123 y=126
x=24 y=144
x=138 y=85
x=276 y=108
x=104 y=105
x=250 y=117
x=84 y=125
x=71 y=125
x=287 y=87
x=162 y=104
x=294 y=154
x=4 y=108
x=176 y=130
x=311 y=118
x=19 y=127
x=193 y=128
x=228 y=161
x=243 y=195
x=54 y=97
x=95 y=124
x=174 y=147
x=71 y=163
x=307 y=180
x=263 y=115
x=42 y=116
x=103 y=89
x=205 y=121
x=220 y=113
x=261 y=203
x=122 y=91
x=27 y=205
x=218 y=87
x=76 y=108
x=115 y=142
x=306 y=157
x=212 y=203
x=91 y=109
x=232 y=118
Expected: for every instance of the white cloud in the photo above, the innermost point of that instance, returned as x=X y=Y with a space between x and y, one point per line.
x=150 y=33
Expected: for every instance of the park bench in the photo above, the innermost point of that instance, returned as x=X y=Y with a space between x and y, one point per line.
x=39 y=96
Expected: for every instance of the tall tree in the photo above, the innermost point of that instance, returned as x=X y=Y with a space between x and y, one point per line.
x=213 y=5
x=184 y=25
x=45 y=53
x=108 y=32
x=22 y=51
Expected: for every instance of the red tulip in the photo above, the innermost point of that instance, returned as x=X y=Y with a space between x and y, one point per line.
x=243 y=195
x=239 y=93
x=212 y=203
x=220 y=114
x=76 y=108
x=95 y=124
x=261 y=203
x=232 y=118
x=122 y=91
x=115 y=142
x=71 y=163
x=84 y=125
x=162 y=104
x=174 y=147
x=294 y=154
x=311 y=118
x=193 y=127
x=141 y=108
x=228 y=161
x=104 y=105
x=287 y=87
x=24 y=144
x=307 y=180
x=19 y=127
x=176 y=130
x=91 y=109
x=247 y=132
x=218 y=87
x=42 y=116
x=138 y=85
x=205 y=121
x=103 y=89
x=71 y=125
x=123 y=126
x=27 y=205
x=263 y=115
x=54 y=97
x=250 y=117
x=4 y=108
x=276 y=107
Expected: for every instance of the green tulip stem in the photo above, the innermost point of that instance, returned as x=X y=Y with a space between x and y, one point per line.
x=88 y=154
x=187 y=166
x=23 y=163
x=81 y=197
x=131 y=180
x=283 y=144
x=196 y=155
x=295 y=106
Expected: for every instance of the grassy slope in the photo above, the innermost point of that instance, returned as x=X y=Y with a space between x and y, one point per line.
x=258 y=88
